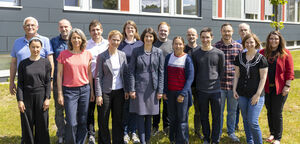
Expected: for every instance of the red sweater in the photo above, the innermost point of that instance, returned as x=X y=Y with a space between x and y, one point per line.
x=284 y=71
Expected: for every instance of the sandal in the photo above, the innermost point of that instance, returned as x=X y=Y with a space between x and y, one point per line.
x=270 y=139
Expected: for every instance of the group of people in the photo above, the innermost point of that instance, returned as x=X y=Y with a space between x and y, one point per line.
x=128 y=75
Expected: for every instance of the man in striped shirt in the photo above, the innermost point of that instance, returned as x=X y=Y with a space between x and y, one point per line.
x=231 y=49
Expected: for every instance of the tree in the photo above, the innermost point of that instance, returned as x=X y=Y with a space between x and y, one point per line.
x=276 y=23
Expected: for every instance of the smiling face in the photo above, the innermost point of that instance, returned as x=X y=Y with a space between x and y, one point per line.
x=163 y=32
x=130 y=30
x=243 y=30
x=227 y=32
x=35 y=48
x=76 y=40
x=191 y=36
x=149 y=38
x=96 y=32
x=64 y=27
x=178 y=47
x=206 y=39
x=250 y=44
x=114 y=41
x=274 y=41
x=30 y=27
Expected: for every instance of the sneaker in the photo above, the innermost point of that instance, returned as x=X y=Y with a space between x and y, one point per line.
x=155 y=131
x=92 y=140
x=135 y=138
x=234 y=138
x=126 y=139
x=166 y=130
x=205 y=142
x=60 y=140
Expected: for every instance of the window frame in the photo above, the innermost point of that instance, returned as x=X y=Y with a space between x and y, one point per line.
x=15 y=4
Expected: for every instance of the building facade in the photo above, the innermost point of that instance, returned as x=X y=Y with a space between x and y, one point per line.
x=180 y=14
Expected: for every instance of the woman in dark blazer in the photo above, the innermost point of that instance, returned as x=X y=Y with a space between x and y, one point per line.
x=110 y=87
x=146 y=83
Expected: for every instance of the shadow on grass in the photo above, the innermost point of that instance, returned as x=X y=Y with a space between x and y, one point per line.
x=297 y=74
x=17 y=140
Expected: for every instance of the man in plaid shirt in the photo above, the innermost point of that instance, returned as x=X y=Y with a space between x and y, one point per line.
x=231 y=49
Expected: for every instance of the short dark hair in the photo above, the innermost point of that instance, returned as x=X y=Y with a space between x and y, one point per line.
x=206 y=29
x=94 y=23
x=150 y=31
x=225 y=24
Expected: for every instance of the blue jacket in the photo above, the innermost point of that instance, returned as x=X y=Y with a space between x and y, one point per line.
x=189 y=76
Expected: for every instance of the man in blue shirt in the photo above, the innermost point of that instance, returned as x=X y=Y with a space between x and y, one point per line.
x=59 y=44
x=20 y=50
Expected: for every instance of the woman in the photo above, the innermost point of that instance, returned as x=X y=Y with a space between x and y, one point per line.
x=110 y=87
x=131 y=40
x=74 y=83
x=280 y=75
x=251 y=70
x=33 y=95
x=146 y=83
x=178 y=78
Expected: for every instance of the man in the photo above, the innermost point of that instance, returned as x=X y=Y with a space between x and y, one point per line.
x=165 y=45
x=209 y=66
x=21 y=50
x=59 y=44
x=96 y=45
x=231 y=49
x=244 y=29
x=192 y=46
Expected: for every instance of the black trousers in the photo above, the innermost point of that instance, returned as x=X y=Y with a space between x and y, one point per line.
x=274 y=104
x=91 y=117
x=36 y=118
x=113 y=102
x=156 y=118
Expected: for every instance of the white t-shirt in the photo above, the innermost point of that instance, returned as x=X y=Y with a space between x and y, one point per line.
x=116 y=82
x=96 y=49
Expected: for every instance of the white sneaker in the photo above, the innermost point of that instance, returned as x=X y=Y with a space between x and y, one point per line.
x=135 y=138
x=92 y=140
x=126 y=139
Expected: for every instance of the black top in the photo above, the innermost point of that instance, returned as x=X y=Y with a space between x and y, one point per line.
x=272 y=68
x=33 y=75
x=190 y=50
x=209 y=67
x=249 y=73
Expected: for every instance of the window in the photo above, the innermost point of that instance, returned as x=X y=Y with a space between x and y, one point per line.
x=298 y=43
x=290 y=11
x=10 y=2
x=268 y=10
x=187 y=7
x=298 y=18
x=233 y=9
x=214 y=8
x=71 y=3
x=105 y=4
x=155 y=6
x=252 y=9
x=290 y=43
x=251 y=16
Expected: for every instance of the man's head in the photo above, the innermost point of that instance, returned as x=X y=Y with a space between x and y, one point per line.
x=163 y=31
x=244 y=29
x=206 y=36
x=96 y=30
x=226 y=32
x=64 y=27
x=191 y=35
x=30 y=26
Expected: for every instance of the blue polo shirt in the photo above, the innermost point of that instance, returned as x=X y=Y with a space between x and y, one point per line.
x=21 y=48
x=58 y=44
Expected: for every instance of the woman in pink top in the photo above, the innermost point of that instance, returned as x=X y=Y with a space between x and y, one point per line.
x=74 y=82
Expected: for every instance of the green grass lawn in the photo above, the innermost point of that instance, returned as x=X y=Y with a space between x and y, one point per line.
x=10 y=129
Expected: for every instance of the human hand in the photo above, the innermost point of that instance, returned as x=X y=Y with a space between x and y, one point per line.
x=165 y=97
x=235 y=95
x=159 y=96
x=285 y=91
x=99 y=100
x=255 y=99
x=12 y=88
x=126 y=96
x=180 y=99
x=132 y=95
x=21 y=106
x=46 y=104
x=60 y=99
x=92 y=97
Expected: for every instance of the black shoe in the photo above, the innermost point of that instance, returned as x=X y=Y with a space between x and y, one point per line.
x=198 y=134
x=166 y=130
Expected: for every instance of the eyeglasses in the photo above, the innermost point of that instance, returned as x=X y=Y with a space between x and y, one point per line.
x=273 y=39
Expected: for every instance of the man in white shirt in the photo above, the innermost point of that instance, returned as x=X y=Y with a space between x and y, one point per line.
x=96 y=45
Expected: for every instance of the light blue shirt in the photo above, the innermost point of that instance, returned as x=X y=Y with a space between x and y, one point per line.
x=21 y=48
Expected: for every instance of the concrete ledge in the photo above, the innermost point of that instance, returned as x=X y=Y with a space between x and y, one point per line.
x=4 y=75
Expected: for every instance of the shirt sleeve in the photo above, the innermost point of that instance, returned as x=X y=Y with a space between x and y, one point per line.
x=48 y=47
x=13 y=51
x=20 y=88
x=48 y=79
x=60 y=58
x=263 y=62
x=236 y=60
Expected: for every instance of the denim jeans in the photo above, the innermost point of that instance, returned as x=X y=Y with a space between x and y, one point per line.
x=250 y=114
x=178 y=116
x=129 y=119
x=232 y=104
x=59 y=113
x=76 y=102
